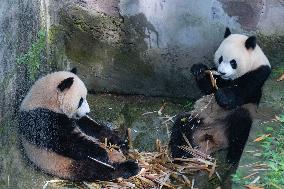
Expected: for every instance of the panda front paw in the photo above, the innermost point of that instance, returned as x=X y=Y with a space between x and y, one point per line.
x=226 y=98
x=198 y=69
x=124 y=147
x=121 y=143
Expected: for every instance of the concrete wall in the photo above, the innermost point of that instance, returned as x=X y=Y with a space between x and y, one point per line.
x=147 y=47
x=195 y=23
x=130 y=46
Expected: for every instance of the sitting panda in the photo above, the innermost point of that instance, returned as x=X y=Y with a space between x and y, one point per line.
x=61 y=140
x=223 y=119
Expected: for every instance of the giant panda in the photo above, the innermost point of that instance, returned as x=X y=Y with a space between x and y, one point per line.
x=59 y=138
x=223 y=117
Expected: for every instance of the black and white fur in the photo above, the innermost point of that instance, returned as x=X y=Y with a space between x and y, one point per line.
x=60 y=139
x=226 y=121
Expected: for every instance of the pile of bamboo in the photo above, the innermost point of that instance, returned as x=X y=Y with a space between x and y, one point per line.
x=159 y=170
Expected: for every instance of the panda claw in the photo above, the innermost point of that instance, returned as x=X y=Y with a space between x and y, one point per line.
x=198 y=69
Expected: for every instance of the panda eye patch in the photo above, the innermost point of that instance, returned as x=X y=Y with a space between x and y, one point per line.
x=220 y=59
x=80 y=102
x=233 y=63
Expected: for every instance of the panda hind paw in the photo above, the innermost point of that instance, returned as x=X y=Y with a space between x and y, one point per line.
x=127 y=169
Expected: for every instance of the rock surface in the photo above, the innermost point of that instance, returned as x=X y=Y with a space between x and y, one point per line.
x=19 y=24
x=147 y=47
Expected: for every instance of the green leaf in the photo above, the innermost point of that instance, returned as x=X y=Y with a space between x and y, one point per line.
x=281 y=118
x=32 y=58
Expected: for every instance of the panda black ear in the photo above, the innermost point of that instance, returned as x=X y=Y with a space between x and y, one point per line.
x=74 y=70
x=66 y=84
x=227 y=32
x=251 y=42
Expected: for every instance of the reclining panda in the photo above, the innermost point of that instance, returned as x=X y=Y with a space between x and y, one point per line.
x=226 y=120
x=61 y=140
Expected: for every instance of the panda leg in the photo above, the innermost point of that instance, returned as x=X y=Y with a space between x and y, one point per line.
x=239 y=127
x=184 y=125
x=92 y=162
x=91 y=170
x=101 y=132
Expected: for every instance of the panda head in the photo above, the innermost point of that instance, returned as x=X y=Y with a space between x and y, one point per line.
x=61 y=92
x=237 y=55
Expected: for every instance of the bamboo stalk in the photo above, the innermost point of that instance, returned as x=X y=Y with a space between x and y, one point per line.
x=103 y=163
x=158 y=145
x=213 y=80
x=129 y=134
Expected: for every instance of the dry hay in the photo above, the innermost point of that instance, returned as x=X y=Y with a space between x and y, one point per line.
x=158 y=170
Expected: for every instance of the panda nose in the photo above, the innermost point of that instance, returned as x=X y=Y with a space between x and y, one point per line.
x=222 y=73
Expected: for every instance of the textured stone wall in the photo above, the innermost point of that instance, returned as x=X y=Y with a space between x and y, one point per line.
x=129 y=46
x=147 y=47
x=19 y=20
